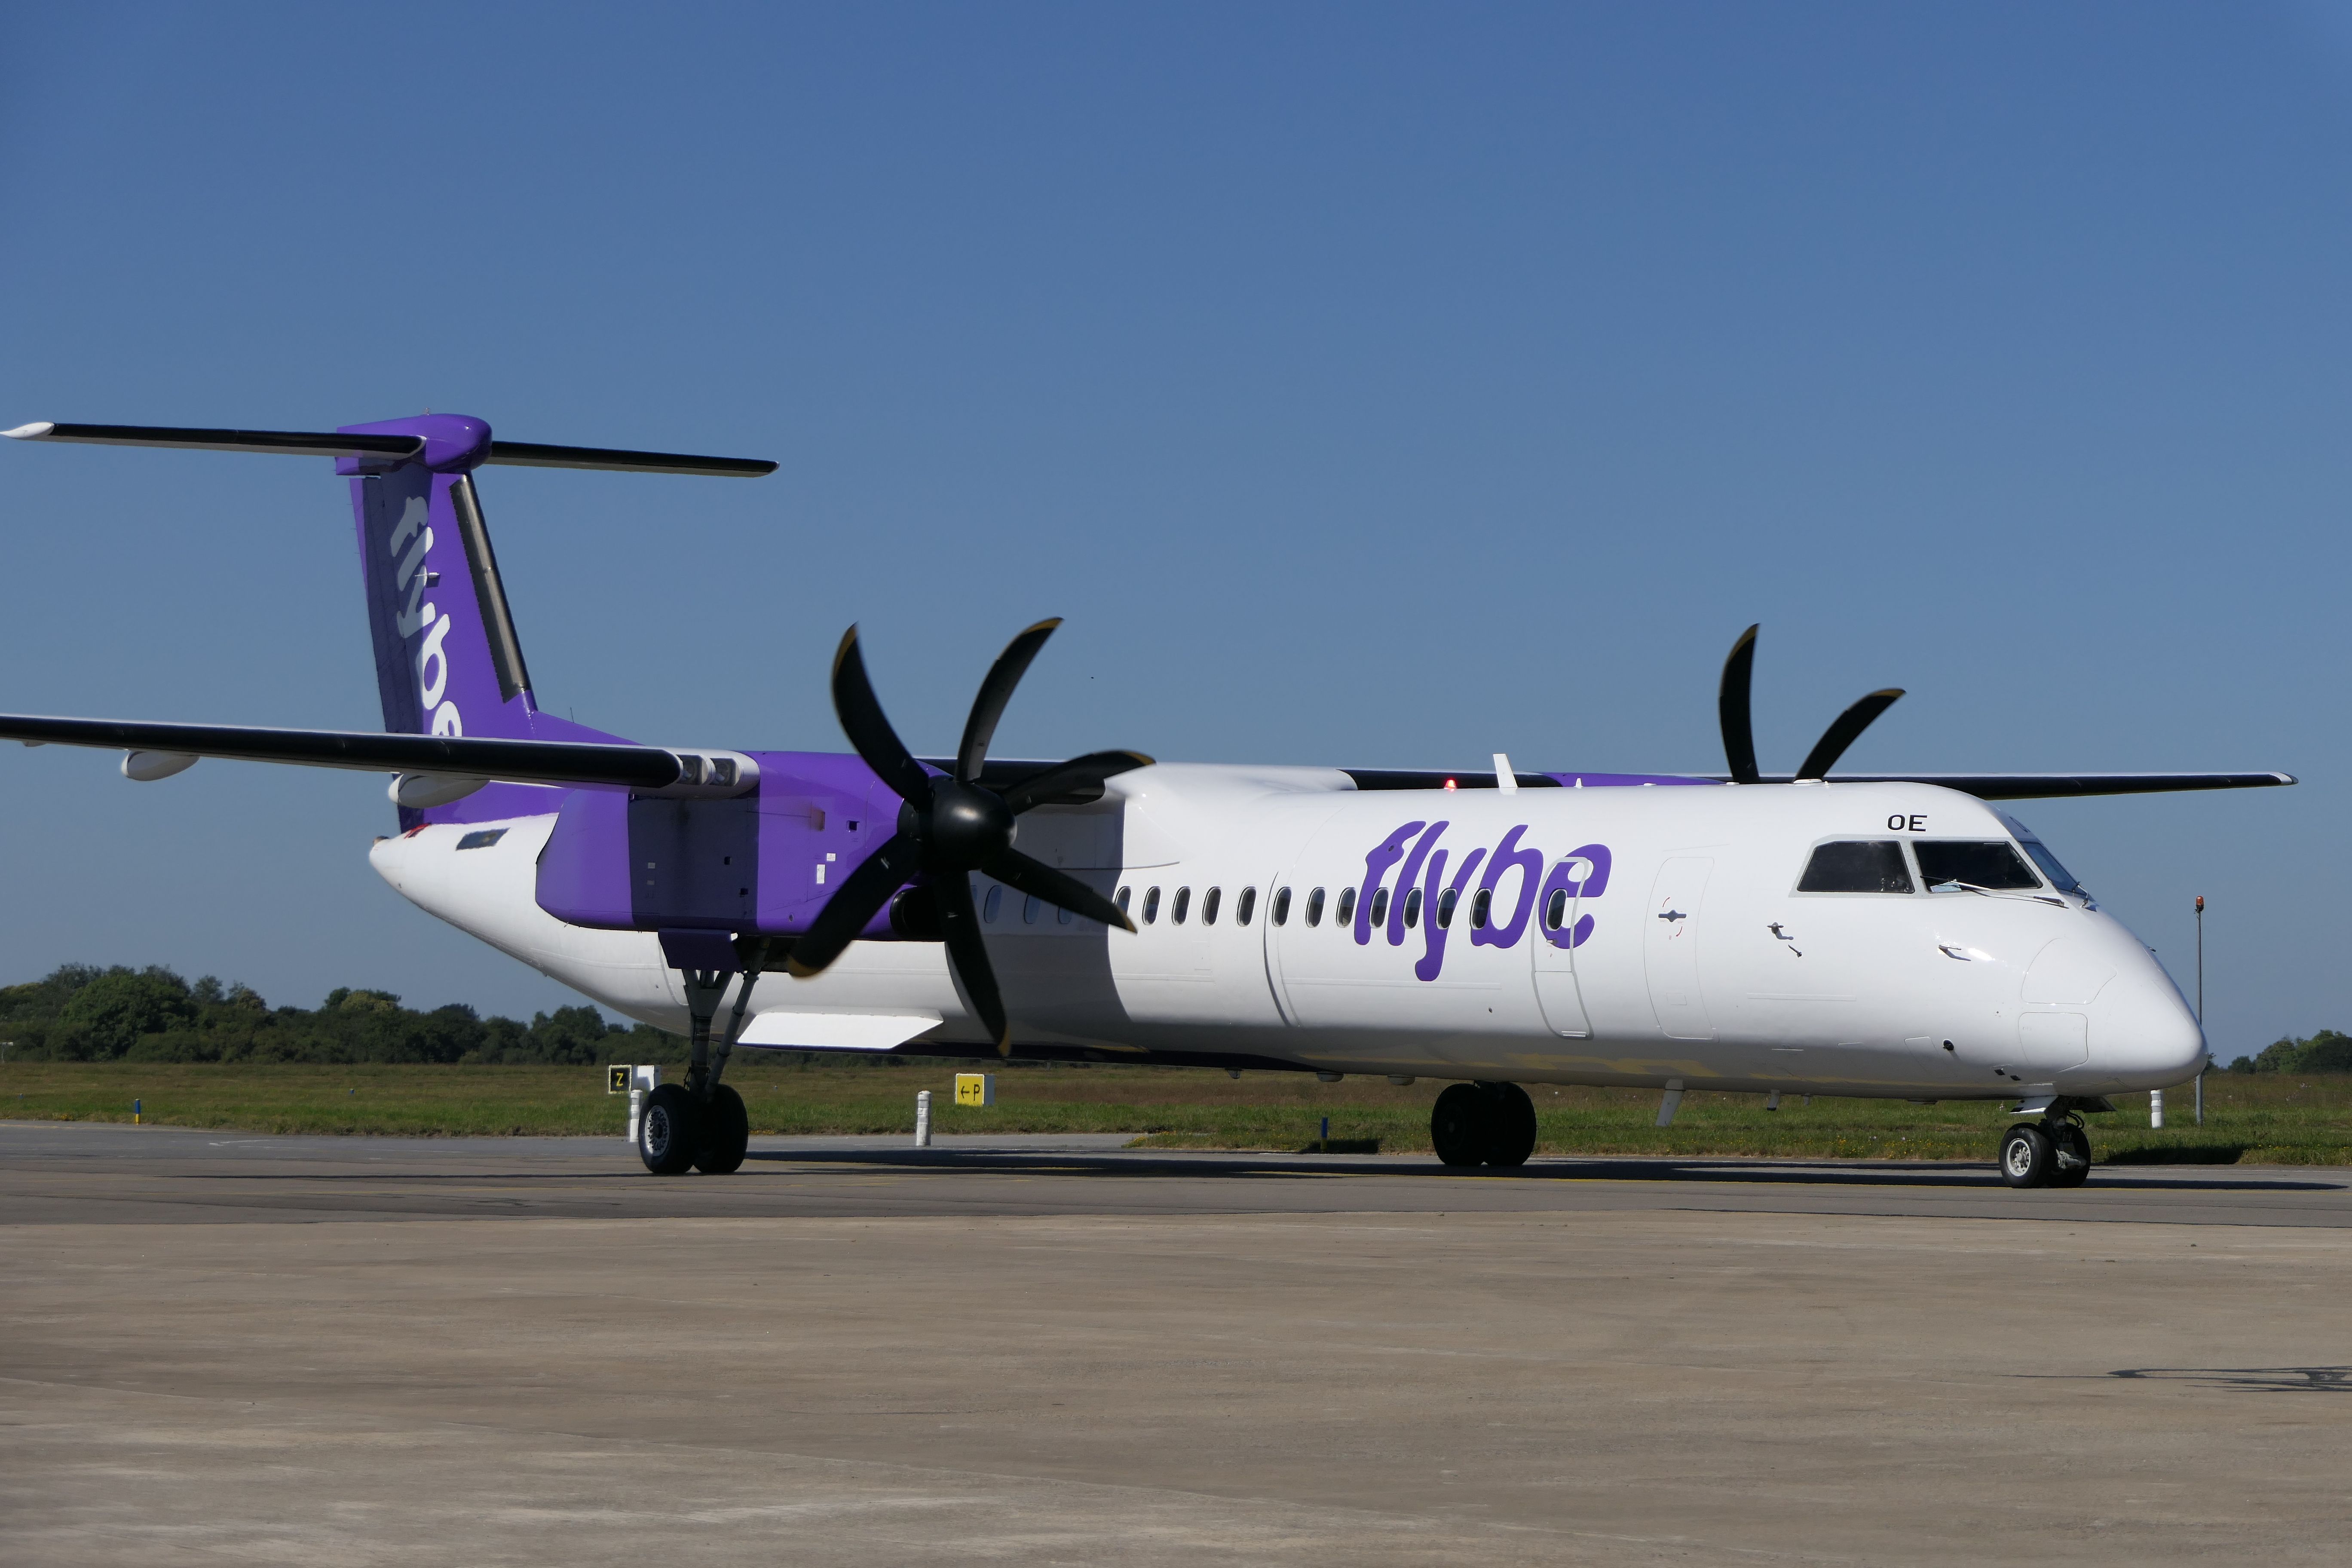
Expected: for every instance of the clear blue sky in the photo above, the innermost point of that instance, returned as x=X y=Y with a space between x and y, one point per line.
x=1366 y=385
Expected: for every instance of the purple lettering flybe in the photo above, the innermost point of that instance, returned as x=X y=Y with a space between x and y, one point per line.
x=1580 y=874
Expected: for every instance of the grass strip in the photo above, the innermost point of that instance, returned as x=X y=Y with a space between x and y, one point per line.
x=2265 y=1119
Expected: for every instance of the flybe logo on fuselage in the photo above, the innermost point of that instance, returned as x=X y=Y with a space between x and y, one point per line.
x=411 y=542
x=1423 y=898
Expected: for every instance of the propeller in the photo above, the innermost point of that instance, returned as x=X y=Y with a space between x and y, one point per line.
x=951 y=825
x=1739 y=730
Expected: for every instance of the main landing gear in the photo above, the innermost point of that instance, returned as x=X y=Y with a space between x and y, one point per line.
x=2052 y=1152
x=702 y=1123
x=1482 y=1124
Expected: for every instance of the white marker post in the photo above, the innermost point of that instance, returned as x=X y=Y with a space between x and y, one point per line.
x=641 y=1080
x=2155 y=1107
x=923 y=1118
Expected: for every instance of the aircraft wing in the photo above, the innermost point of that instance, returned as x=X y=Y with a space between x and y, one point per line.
x=2051 y=787
x=457 y=756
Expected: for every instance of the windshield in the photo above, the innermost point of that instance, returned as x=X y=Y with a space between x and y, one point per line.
x=1972 y=863
x=2060 y=878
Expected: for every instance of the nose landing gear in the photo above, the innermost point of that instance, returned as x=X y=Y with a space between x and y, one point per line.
x=1482 y=1124
x=2053 y=1152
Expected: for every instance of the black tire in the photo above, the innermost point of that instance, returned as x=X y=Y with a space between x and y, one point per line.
x=669 y=1130
x=1512 y=1130
x=2077 y=1142
x=2027 y=1158
x=725 y=1134
x=1460 y=1125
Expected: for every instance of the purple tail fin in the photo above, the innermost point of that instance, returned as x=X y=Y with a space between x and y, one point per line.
x=448 y=662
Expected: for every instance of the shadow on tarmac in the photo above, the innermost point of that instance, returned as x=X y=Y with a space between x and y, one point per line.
x=1262 y=1166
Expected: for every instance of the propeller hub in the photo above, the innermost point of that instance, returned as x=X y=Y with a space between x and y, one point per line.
x=966 y=826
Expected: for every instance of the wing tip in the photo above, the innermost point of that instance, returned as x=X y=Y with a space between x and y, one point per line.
x=38 y=430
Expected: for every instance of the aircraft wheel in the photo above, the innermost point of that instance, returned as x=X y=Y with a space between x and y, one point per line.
x=668 y=1128
x=725 y=1134
x=1512 y=1132
x=1460 y=1123
x=2027 y=1159
x=2077 y=1142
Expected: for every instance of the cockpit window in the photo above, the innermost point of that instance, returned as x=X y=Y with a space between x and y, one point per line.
x=2060 y=878
x=1859 y=865
x=1999 y=867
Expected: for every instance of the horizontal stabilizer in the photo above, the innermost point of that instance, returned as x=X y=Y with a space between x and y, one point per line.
x=380 y=447
x=453 y=756
x=532 y=455
x=295 y=442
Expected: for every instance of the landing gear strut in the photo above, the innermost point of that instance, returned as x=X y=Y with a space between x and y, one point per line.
x=702 y=1123
x=1482 y=1124
x=2052 y=1152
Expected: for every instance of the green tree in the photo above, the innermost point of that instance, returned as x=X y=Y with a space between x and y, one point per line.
x=114 y=1010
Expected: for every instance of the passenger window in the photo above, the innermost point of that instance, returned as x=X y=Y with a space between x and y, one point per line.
x=1246 y=907
x=1315 y=907
x=1556 y=909
x=1445 y=903
x=989 y=905
x=1209 y=902
x=1120 y=899
x=1150 y=905
x=1184 y=902
x=1873 y=866
x=1063 y=916
x=1029 y=909
x=1346 y=908
x=1479 y=904
x=1413 y=908
x=1944 y=862
x=1281 y=906
x=1379 y=914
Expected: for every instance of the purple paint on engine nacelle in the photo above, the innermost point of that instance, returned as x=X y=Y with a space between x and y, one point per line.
x=583 y=871
x=766 y=862
x=1620 y=781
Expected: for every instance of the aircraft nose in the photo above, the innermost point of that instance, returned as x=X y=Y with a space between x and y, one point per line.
x=2145 y=1033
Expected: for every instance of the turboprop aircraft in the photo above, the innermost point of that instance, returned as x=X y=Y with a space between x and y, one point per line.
x=1888 y=935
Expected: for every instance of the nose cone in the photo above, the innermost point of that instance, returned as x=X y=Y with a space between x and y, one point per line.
x=2143 y=1034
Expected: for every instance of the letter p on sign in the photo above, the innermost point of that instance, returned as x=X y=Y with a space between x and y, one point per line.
x=975 y=1088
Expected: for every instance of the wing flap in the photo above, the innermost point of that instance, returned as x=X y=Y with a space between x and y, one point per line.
x=456 y=756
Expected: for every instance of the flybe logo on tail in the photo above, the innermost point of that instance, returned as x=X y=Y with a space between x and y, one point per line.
x=411 y=542
x=1425 y=897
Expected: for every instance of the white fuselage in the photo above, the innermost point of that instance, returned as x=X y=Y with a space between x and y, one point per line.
x=1699 y=959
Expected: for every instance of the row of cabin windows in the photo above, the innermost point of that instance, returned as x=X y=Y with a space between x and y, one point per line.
x=1556 y=909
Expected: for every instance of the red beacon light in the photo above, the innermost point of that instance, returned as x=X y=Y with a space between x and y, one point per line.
x=1449 y=784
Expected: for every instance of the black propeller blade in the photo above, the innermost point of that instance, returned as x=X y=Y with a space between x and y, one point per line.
x=1731 y=709
x=1739 y=730
x=950 y=827
x=1848 y=727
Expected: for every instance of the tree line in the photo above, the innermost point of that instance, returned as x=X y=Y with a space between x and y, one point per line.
x=80 y=1011
x=2326 y=1051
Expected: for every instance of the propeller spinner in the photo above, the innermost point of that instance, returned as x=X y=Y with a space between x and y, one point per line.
x=949 y=827
x=1740 y=731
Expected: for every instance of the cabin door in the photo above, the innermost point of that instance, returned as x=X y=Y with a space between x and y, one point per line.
x=1558 y=992
x=1670 y=944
